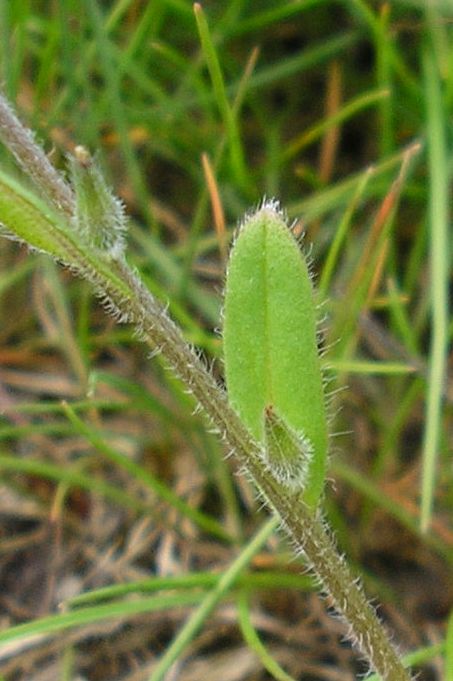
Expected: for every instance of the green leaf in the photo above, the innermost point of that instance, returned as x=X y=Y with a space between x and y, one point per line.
x=25 y=217
x=270 y=345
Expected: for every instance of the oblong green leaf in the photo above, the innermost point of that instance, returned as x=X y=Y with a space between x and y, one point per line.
x=270 y=340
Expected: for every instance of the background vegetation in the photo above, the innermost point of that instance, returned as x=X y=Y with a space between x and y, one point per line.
x=341 y=110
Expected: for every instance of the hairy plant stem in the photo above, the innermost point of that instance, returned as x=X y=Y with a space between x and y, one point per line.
x=304 y=526
x=33 y=160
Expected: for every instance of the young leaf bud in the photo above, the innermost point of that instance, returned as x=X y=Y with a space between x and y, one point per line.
x=287 y=453
x=99 y=214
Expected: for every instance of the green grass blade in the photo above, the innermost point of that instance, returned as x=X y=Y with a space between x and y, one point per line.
x=97 y=613
x=349 y=110
x=449 y=650
x=236 y=152
x=209 y=602
x=255 y=643
x=439 y=229
x=73 y=478
x=112 y=77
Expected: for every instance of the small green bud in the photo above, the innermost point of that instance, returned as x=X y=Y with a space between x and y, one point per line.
x=99 y=215
x=287 y=453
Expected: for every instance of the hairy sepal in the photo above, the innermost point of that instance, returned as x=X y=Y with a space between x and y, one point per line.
x=287 y=453
x=99 y=215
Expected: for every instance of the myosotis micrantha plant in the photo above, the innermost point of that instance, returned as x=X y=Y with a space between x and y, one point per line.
x=273 y=419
